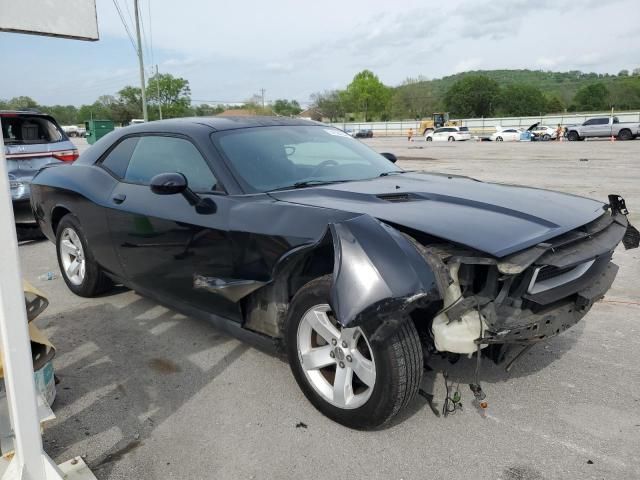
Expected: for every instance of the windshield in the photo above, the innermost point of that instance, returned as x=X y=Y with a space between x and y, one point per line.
x=270 y=158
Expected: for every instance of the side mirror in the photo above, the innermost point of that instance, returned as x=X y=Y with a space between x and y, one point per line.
x=173 y=183
x=168 y=184
x=390 y=156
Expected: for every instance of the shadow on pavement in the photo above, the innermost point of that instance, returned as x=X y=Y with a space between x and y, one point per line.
x=128 y=370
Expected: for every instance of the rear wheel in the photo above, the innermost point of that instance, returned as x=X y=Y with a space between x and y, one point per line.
x=79 y=269
x=625 y=134
x=350 y=380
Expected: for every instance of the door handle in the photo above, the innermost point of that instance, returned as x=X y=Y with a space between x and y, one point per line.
x=118 y=198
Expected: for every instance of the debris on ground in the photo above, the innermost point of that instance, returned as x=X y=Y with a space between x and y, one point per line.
x=301 y=425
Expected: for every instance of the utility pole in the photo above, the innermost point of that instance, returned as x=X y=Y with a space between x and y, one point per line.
x=262 y=90
x=158 y=85
x=141 y=61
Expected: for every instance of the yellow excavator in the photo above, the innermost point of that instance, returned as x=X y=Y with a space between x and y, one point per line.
x=437 y=120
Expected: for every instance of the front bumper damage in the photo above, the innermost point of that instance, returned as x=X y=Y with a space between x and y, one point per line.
x=534 y=294
x=523 y=298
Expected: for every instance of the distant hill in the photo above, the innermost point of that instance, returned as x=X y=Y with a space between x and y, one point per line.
x=624 y=90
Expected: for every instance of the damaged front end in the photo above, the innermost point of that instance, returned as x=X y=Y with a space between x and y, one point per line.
x=532 y=295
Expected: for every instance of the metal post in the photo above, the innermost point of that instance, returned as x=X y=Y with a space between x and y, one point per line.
x=30 y=462
x=158 y=85
x=141 y=63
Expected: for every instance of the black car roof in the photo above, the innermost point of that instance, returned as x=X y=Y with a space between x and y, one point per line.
x=220 y=123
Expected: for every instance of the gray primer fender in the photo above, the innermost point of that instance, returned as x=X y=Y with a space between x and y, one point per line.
x=378 y=273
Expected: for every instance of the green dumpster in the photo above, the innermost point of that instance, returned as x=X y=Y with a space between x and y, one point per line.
x=96 y=129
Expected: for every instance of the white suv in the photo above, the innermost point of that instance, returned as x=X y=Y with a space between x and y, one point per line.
x=448 y=134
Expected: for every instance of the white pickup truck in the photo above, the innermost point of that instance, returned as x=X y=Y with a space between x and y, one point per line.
x=604 y=127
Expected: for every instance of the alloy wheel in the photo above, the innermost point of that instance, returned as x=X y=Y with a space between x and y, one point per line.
x=337 y=362
x=72 y=256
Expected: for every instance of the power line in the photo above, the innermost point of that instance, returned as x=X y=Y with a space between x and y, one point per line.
x=126 y=27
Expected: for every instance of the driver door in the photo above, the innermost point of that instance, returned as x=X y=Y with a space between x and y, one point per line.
x=162 y=242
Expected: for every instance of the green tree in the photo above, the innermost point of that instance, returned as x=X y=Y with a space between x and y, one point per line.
x=626 y=95
x=472 y=96
x=64 y=114
x=171 y=93
x=368 y=95
x=206 y=110
x=594 y=96
x=554 y=104
x=286 y=108
x=623 y=73
x=22 y=103
x=130 y=104
x=413 y=99
x=329 y=103
x=521 y=100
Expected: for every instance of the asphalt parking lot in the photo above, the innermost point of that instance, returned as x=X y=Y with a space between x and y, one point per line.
x=147 y=393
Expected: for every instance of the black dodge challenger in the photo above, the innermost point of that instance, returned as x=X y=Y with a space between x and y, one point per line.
x=292 y=234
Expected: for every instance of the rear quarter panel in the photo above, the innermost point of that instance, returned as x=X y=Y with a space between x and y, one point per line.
x=84 y=191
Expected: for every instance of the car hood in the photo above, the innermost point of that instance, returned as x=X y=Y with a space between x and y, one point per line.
x=493 y=218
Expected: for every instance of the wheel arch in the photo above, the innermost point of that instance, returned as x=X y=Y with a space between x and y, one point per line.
x=57 y=213
x=388 y=269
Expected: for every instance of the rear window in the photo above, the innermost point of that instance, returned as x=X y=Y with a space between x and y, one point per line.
x=29 y=129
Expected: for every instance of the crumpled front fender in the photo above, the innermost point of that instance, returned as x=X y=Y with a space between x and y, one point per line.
x=378 y=272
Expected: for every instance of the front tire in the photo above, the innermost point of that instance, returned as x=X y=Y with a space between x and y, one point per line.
x=498 y=139
x=350 y=380
x=429 y=139
x=79 y=269
x=451 y=139
x=573 y=136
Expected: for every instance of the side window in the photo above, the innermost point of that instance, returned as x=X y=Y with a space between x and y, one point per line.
x=118 y=159
x=438 y=130
x=603 y=121
x=156 y=154
x=587 y=123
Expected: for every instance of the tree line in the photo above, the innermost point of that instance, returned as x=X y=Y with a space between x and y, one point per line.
x=468 y=94
x=477 y=94
x=164 y=92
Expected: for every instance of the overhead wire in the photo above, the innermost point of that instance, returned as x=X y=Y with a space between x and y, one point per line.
x=126 y=27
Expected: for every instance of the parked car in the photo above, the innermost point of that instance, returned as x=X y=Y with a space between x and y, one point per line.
x=294 y=235
x=604 y=127
x=366 y=133
x=31 y=141
x=507 y=135
x=542 y=132
x=74 y=130
x=448 y=134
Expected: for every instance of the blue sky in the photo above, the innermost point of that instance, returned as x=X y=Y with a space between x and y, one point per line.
x=229 y=50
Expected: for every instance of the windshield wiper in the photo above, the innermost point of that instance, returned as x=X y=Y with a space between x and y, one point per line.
x=307 y=183
x=394 y=172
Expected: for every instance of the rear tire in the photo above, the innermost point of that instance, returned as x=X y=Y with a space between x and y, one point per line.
x=79 y=269
x=396 y=363
x=625 y=134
